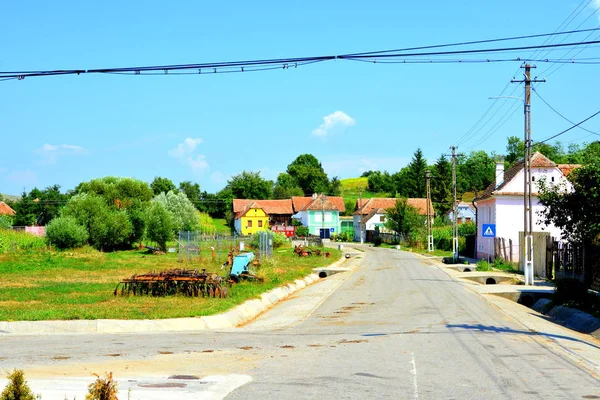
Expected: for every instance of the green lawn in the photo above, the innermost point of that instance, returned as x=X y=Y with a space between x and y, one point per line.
x=351 y=188
x=48 y=285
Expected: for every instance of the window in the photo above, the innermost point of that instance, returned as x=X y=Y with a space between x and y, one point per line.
x=328 y=216
x=260 y=223
x=382 y=218
x=249 y=223
x=552 y=179
x=468 y=219
x=532 y=178
x=318 y=217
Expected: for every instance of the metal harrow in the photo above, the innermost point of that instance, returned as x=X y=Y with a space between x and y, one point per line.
x=187 y=282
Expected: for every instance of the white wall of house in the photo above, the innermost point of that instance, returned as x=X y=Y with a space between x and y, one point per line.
x=507 y=211
x=465 y=214
x=302 y=216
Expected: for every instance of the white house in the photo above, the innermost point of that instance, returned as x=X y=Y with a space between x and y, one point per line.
x=502 y=202
x=370 y=214
x=465 y=213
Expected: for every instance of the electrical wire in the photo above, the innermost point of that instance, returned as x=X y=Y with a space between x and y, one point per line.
x=568 y=129
x=562 y=116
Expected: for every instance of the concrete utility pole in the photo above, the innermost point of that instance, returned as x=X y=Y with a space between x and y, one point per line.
x=527 y=206
x=360 y=216
x=323 y=215
x=454 y=209
x=429 y=233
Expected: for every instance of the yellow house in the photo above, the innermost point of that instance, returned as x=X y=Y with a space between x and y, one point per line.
x=251 y=219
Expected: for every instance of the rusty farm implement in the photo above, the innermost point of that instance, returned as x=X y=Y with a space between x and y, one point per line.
x=187 y=282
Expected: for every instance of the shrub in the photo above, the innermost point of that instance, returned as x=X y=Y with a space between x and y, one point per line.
x=185 y=216
x=6 y=221
x=377 y=241
x=343 y=237
x=302 y=231
x=102 y=388
x=279 y=239
x=66 y=233
x=111 y=231
x=17 y=388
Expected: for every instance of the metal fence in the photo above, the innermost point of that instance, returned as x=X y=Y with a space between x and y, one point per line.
x=208 y=247
x=265 y=244
x=573 y=260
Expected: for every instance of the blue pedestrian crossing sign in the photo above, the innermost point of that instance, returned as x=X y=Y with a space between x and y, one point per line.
x=332 y=230
x=489 y=230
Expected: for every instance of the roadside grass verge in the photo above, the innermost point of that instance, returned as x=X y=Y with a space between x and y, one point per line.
x=435 y=252
x=70 y=285
x=498 y=265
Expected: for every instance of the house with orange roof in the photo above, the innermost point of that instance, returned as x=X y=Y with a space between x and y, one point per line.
x=320 y=213
x=370 y=214
x=248 y=218
x=502 y=202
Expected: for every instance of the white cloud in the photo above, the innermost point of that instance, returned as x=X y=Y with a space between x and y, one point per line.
x=335 y=121
x=595 y=5
x=50 y=152
x=187 y=147
x=184 y=153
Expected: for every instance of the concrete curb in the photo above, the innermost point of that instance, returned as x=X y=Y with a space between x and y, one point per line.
x=238 y=315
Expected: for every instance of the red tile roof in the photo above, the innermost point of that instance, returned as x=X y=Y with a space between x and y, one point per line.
x=5 y=209
x=566 y=169
x=271 y=207
x=367 y=205
x=308 y=203
x=538 y=160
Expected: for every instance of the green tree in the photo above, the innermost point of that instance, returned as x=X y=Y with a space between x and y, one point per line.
x=116 y=191
x=286 y=187
x=39 y=206
x=405 y=220
x=475 y=172
x=410 y=180
x=380 y=182
x=308 y=174
x=162 y=185
x=335 y=187
x=514 y=150
x=192 y=191
x=185 y=216
x=250 y=185
x=160 y=225
x=577 y=213
x=441 y=185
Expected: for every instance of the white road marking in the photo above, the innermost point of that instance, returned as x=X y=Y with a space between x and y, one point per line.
x=414 y=371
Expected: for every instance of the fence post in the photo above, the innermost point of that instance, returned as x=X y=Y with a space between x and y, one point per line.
x=504 y=249
x=510 y=249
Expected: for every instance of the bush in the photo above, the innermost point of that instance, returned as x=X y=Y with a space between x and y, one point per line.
x=111 y=231
x=343 y=237
x=302 y=231
x=377 y=241
x=17 y=388
x=6 y=221
x=102 y=388
x=66 y=233
x=279 y=239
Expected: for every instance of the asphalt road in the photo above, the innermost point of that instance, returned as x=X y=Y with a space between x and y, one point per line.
x=397 y=327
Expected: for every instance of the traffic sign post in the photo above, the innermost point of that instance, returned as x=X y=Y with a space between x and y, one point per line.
x=489 y=231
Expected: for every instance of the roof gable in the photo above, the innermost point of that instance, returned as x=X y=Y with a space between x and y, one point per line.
x=5 y=209
x=384 y=203
x=331 y=203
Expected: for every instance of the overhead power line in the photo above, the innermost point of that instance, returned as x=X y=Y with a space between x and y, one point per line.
x=568 y=129
x=285 y=63
x=562 y=116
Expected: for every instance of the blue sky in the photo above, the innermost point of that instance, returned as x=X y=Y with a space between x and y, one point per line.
x=205 y=128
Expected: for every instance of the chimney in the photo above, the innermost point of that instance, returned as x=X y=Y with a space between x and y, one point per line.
x=499 y=173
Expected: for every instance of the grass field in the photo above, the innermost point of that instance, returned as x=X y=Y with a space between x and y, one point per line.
x=48 y=285
x=351 y=188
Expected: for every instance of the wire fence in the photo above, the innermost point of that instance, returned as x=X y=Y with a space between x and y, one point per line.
x=208 y=247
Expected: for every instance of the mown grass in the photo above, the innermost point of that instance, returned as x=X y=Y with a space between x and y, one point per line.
x=48 y=285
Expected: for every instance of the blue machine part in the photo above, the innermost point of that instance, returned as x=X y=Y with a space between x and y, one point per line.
x=241 y=263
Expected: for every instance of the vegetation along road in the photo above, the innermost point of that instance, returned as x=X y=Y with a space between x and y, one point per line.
x=396 y=326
